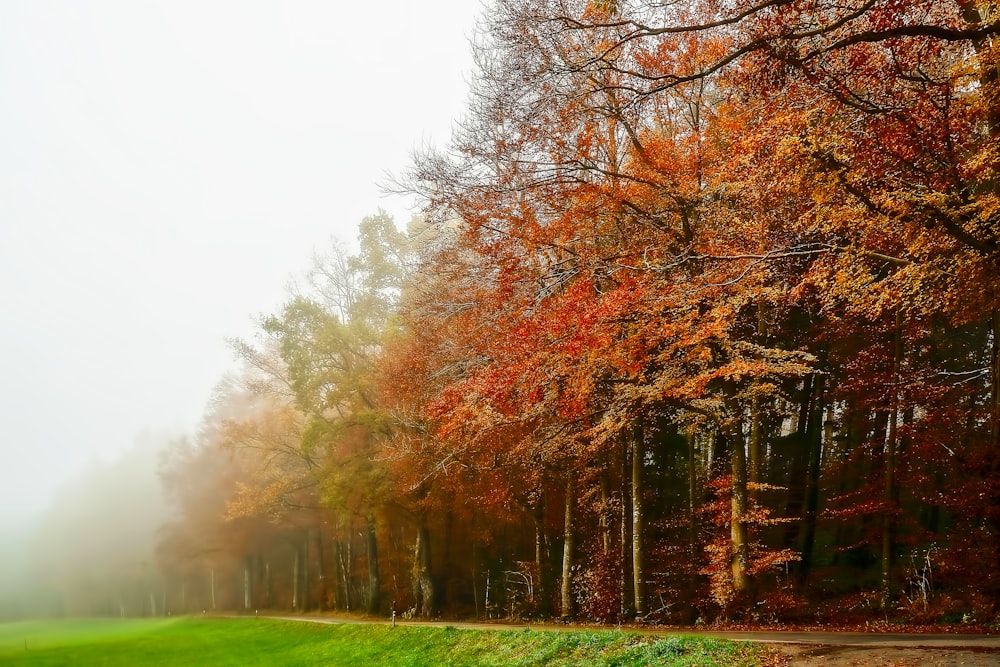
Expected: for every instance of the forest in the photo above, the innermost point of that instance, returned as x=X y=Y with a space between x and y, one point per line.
x=700 y=320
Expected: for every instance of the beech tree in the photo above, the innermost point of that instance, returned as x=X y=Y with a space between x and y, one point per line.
x=609 y=157
x=701 y=321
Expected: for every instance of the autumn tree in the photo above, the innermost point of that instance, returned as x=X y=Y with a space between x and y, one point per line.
x=701 y=319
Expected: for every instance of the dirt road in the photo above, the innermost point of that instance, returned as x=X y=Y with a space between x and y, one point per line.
x=803 y=655
x=862 y=649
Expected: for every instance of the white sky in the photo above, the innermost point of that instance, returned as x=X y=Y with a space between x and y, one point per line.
x=165 y=168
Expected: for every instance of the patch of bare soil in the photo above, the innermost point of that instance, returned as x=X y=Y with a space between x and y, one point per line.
x=888 y=656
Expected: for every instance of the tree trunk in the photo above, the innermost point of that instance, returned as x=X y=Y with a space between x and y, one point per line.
x=694 y=494
x=305 y=574
x=268 y=586
x=374 y=579
x=566 y=591
x=813 y=441
x=757 y=426
x=296 y=596
x=320 y=570
x=423 y=582
x=344 y=568
x=542 y=559
x=889 y=469
x=638 y=521
x=625 y=545
x=995 y=386
x=247 y=598
x=475 y=570
x=605 y=516
x=797 y=455
x=738 y=510
x=756 y=444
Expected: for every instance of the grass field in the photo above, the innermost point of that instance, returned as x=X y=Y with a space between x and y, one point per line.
x=215 y=641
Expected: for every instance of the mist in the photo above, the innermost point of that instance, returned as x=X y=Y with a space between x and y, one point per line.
x=92 y=551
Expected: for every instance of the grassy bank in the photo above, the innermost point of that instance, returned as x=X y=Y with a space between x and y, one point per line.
x=213 y=641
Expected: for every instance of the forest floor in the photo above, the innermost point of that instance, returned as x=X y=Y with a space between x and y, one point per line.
x=802 y=648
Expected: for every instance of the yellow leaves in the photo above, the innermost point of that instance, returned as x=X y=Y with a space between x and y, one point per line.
x=251 y=500
x=826 y=191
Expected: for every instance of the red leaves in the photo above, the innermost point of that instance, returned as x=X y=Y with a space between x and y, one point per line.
x=717 y=215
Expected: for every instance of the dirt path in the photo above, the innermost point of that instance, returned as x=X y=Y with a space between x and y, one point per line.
x=856 y=649
x=804 y=649
x=801 y=655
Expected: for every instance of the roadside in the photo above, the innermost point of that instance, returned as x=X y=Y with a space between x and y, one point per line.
x=859 y=649
x=805 y=655
x=803 y=649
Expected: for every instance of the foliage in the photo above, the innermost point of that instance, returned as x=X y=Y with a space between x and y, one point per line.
x=702 y=320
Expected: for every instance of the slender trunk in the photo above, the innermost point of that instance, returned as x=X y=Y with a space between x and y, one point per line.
x=693 y=496
x=814 y=455
x=995 y=385
x=539 y=550
x=305 y=574
x=569 y=540
x=486 y=602
x=638 y=520
x=542 y=559
x=757 y=410
x=212 y=584
x=756 y=444
x=268 y=586
x=605 y=515
x=445 y=562
x=693 y=506
x=320 y=570
x=423 y=582
x=247 y=601
x=374 y=579
x=738 y=510
x=475 y=570
x=889 y=469
x=625 y=521
x=344 y=565
x=338 y=590
x=994 y=441
x=295 y=582
x=797 y=446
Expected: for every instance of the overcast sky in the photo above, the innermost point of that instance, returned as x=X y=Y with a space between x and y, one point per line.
x=165 y=168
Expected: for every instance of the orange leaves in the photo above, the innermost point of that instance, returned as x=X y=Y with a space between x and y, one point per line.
x=710 y=214
x=763 y=559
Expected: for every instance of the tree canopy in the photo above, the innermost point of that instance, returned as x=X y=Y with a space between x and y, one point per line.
x=701 y=320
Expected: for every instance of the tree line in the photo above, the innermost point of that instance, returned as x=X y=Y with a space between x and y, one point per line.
x=701 y=320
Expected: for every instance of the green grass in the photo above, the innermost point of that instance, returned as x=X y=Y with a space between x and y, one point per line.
x=215 y=641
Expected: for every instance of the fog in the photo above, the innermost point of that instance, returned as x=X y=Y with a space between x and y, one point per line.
x=92 y=550
x=165 y=167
